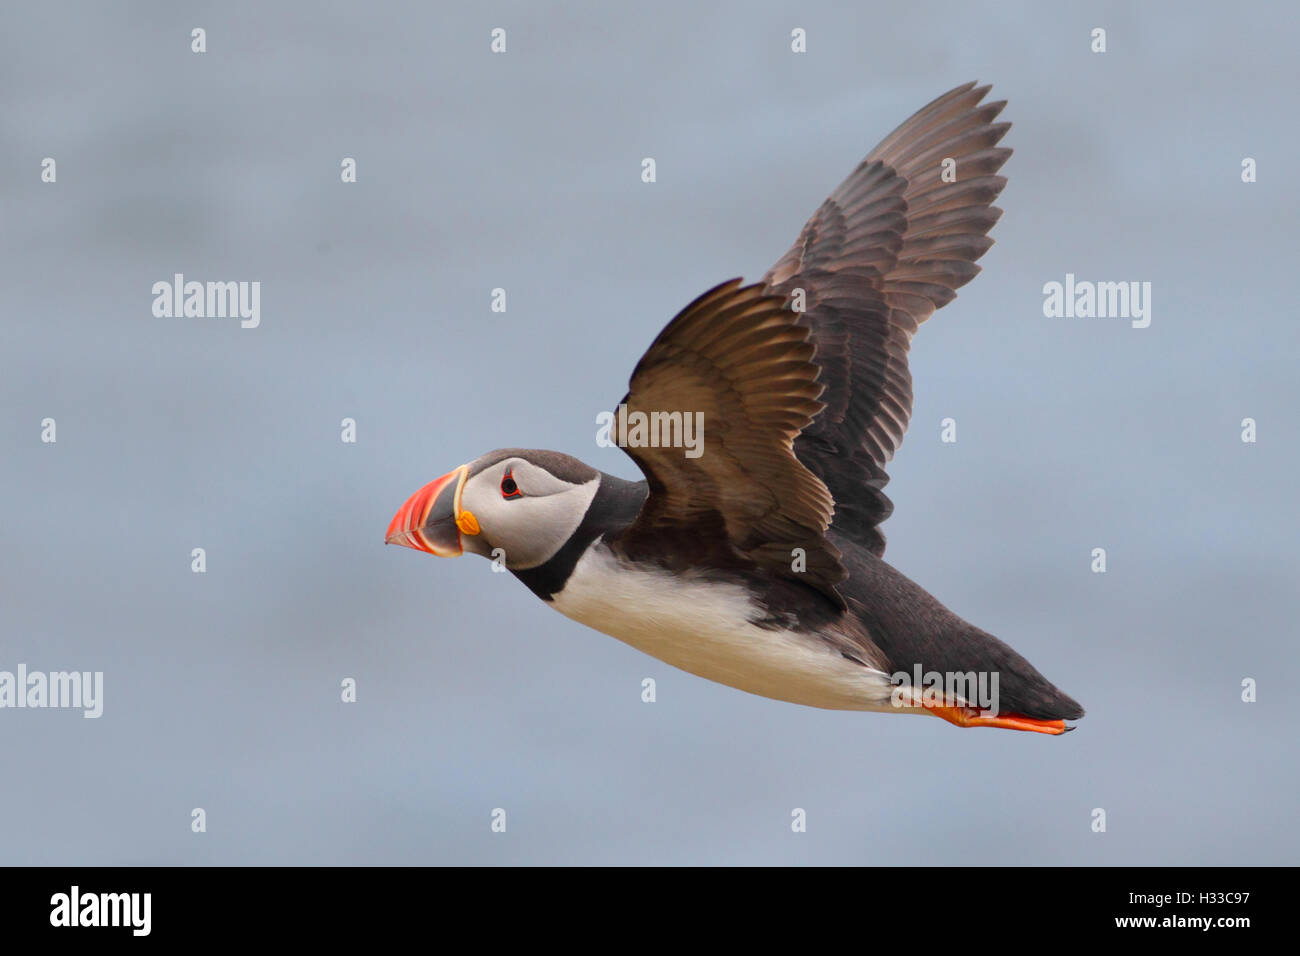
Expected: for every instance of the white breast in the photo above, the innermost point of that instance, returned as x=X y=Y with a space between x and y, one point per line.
x=703 y=627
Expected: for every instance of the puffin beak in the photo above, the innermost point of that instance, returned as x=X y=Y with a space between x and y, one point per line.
x=432 y=519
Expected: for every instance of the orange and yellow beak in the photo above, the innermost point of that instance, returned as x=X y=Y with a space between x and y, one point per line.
x=432 y=519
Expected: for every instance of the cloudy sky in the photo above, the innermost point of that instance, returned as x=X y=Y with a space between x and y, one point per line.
x=521 y=170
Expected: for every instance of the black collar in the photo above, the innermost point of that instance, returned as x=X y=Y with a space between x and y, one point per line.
x=614 y=507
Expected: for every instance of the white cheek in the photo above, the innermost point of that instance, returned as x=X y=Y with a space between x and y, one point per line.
x=529 y=530
x=485 y=503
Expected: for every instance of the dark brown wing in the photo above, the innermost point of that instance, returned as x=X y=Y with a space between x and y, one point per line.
x=892 y=244
x=742 y=360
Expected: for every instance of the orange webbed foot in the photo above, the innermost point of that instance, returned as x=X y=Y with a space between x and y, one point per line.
x=973 y=717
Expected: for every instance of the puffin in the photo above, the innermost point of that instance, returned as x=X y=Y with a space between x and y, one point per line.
x=763 y=417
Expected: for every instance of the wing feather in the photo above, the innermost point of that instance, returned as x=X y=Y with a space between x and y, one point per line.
x=892 y=244
x=741 y=360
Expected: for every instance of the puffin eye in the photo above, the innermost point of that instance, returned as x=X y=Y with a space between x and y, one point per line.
x=508 y=487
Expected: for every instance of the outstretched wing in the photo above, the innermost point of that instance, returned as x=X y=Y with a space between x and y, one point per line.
x=892 y=244
x=740 y=363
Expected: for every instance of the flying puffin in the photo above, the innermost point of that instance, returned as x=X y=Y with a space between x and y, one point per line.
x=756 y=559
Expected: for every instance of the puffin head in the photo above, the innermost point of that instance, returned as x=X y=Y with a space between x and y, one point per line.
x=517 y=504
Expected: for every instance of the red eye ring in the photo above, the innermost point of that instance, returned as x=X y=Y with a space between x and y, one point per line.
x=508 y=487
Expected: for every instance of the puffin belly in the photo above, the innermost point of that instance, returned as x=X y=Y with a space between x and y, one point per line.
x=703 y=626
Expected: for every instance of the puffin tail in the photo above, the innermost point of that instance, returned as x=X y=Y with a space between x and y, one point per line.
x=1026 y=700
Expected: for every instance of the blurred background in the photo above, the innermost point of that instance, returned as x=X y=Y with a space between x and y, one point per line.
x=522 y=171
